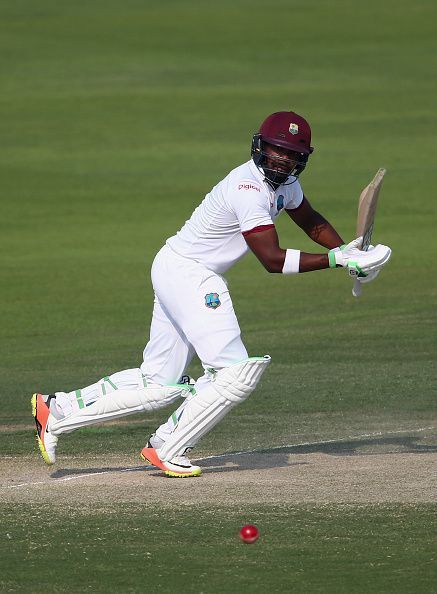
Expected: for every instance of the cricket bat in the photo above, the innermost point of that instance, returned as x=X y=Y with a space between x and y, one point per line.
x=366 y=216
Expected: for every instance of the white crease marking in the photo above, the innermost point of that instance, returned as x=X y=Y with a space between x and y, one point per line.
x=217 y=456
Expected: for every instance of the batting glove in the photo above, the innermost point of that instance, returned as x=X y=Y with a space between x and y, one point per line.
x=359 y=263
x=364 y=280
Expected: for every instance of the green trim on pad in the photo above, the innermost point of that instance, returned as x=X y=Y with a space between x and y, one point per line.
x=106 y=379
x=80 y=402
x=266 y=358
x=185 y=387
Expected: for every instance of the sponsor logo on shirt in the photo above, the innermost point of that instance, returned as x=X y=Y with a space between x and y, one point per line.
x=280 y=203
x=248 y=187
x=212 y=300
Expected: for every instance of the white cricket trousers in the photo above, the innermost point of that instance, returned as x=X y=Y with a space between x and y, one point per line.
x=193 y=313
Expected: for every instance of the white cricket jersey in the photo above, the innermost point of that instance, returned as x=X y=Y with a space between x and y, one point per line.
x=238 y=204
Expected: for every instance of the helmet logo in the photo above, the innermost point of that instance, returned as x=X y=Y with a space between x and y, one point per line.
x=293 y=129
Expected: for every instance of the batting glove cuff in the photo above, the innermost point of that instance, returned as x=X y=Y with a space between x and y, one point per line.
x=336 y=259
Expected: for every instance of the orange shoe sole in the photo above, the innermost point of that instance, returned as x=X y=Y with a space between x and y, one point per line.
x=150 y=456
x=40 y=414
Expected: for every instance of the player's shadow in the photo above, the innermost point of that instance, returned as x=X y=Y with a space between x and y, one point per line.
x=279 y=457
x=368 y=446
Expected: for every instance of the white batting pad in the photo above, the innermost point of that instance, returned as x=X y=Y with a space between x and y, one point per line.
x=203 y=410
x=117 y=404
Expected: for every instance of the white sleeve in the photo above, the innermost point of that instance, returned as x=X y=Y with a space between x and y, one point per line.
x=293 y=196
x=251 y=205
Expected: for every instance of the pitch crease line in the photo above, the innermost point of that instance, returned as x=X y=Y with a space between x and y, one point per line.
x=229 y=455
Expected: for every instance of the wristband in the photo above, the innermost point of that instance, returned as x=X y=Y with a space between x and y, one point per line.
x=291 y=262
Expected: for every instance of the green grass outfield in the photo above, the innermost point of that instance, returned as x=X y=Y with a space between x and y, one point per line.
x=116 y=119
x=305 y=549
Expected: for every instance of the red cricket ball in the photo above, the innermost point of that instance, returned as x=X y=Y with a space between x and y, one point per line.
x=249 y=534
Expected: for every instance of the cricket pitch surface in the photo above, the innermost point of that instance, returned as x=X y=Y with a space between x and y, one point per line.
x=396 y=467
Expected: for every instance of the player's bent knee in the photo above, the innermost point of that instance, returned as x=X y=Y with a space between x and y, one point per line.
x=228 y=387
x=236 y=382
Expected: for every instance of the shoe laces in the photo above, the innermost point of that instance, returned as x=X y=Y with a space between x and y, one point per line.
x=181 y=461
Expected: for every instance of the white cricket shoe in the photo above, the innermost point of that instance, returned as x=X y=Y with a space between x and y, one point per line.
x=47 y=442
x=178 y=467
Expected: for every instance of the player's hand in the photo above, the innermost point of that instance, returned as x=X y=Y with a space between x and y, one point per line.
x=364 y=280
x=340 y=256
x=359 y=263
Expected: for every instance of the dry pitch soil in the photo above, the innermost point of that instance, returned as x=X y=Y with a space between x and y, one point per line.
x=393 y=468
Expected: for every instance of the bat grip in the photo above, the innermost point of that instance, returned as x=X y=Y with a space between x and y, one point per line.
x=357 y=288
x=356 y=291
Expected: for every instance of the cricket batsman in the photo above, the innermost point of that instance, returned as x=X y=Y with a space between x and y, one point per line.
x=193 y=311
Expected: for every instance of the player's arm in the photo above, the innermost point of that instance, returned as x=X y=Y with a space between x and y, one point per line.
x=264 y=243
x=315 y=225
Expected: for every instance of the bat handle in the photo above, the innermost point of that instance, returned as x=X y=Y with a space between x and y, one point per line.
x=356 y=291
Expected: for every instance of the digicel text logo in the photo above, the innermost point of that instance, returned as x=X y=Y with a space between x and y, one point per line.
x=248 y=187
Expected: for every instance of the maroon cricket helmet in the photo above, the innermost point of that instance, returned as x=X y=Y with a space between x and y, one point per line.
x=289 y=130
